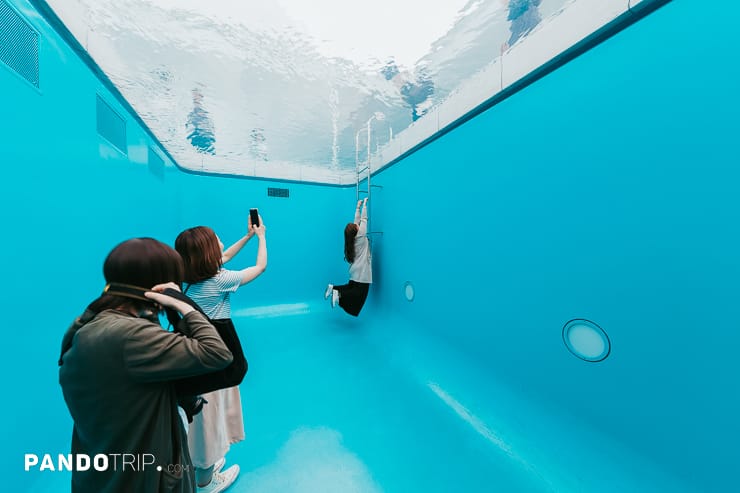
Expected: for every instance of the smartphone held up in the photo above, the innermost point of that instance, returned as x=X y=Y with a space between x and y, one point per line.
x=255 y=217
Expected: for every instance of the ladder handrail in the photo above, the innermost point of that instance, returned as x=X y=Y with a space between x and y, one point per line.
x=368 y=167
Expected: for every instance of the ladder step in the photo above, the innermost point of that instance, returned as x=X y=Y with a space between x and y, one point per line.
x=361 y=170
x=375 y=233
x=364 y=191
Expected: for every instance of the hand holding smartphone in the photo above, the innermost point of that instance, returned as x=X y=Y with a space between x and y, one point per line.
x=255 y=217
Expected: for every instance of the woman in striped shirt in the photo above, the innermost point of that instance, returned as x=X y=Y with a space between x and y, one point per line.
x=210 y=285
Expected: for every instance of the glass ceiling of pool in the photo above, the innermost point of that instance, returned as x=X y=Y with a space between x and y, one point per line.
x=284 y=86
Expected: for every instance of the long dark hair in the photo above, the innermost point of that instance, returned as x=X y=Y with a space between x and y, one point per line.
x=200 y=252
x=143 y=262
x=350 y=233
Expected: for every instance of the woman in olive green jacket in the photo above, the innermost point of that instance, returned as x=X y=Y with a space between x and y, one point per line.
x=116 y=372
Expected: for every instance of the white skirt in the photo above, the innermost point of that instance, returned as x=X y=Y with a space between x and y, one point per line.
x=216 y=427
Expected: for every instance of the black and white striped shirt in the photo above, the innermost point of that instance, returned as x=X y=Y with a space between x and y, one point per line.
x=213 y=295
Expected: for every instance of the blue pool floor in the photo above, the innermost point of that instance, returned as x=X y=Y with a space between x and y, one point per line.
x=339 y=404
x=326 y=410
x=336 y=404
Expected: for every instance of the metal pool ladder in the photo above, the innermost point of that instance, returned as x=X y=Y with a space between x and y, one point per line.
x=363 y=172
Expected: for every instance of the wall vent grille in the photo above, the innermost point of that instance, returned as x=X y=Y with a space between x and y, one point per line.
x=111 y=125
x=278 y=192
x=19 y=44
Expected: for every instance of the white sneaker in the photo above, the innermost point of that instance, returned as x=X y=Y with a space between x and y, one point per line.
x=334 y=297
x=328 y=291
x=221 y=480
x=219 y=464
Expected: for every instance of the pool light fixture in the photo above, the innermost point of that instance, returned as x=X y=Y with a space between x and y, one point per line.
x=408 y=290
x=586 y=340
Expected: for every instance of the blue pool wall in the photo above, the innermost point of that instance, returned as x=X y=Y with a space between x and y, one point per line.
x=603 y=191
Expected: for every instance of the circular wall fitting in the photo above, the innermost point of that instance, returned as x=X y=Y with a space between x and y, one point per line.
x=586 y=340
x=408 y=290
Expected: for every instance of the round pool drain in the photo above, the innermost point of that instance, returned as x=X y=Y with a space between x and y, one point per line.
x=408 y=290
x=586 y=340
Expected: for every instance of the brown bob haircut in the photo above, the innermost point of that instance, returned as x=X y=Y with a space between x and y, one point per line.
x=143 y=262
x=200 y=253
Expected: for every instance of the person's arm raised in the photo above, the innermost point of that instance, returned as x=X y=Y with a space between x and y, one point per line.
x=357 y=212
x=362 y=230
x=250 y=273
x=231 y=252
x=153 y=354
